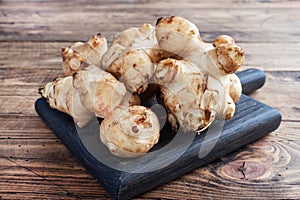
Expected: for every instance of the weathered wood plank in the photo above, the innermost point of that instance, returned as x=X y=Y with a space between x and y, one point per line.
x=40 y=56
x=45 y=181
x=65 y=21
x=281 y=91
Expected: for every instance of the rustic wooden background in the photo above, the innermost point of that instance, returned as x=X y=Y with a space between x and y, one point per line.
x=33 y=162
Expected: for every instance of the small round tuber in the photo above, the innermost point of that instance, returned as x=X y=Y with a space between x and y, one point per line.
x=130 y=131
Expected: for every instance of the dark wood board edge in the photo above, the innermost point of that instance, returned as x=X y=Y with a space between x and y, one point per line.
x=251 y=79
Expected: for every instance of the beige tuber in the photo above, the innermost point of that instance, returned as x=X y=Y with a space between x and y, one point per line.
x=201 y=87
x=87 y=93
x=131 y=57
x=130 y=131
x=61 y=95
x=80 y=54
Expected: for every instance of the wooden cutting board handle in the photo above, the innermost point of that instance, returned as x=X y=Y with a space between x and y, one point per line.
x=251 y=79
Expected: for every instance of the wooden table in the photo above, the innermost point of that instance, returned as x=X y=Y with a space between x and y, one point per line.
x=33 y=162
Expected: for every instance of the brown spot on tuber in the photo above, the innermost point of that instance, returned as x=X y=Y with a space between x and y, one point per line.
x=192 y=32
x=142 y=119
x=96 y=43
x=139 y=150
x=169 y=19
x=63 y=53
x=241 y=53
x=169 y=63
x=135 y=129
x=75 y=75
x=223 y=39
x=199 y=38
x=158 y=20
x=204 y=83
x=207 y=116
x=166 y=19
x=114 y=123
x=41 y=89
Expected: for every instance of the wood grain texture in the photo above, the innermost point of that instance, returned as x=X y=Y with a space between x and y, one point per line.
x=34 y=164
x=65 y=21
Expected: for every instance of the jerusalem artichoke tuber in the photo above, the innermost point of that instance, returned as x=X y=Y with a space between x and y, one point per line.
x=80 y=53
x=130 y=131
x=131 y=57
x=100 y=91
x=201 y=87
x=88 y=92
x=61 y=95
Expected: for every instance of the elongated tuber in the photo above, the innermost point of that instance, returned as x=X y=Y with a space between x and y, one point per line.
x=88 y=92
x=201 y=87
x=61 y=95
x=76 y=55
x=220 y=58
x=130 y=131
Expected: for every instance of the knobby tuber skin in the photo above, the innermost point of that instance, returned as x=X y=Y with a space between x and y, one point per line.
x=133 y=69
x=130 y=131
x=201 y=86
x=131 y=57
x=182 y=37
x=80 y=54
x=229 y=55
x=235 y=89
x=87 y=93
x=187 y=94
x=177 y=35
x=61 y=95
x=100 y=91
x=142 y=38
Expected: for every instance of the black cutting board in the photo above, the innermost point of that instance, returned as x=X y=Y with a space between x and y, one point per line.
x=175 y=154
